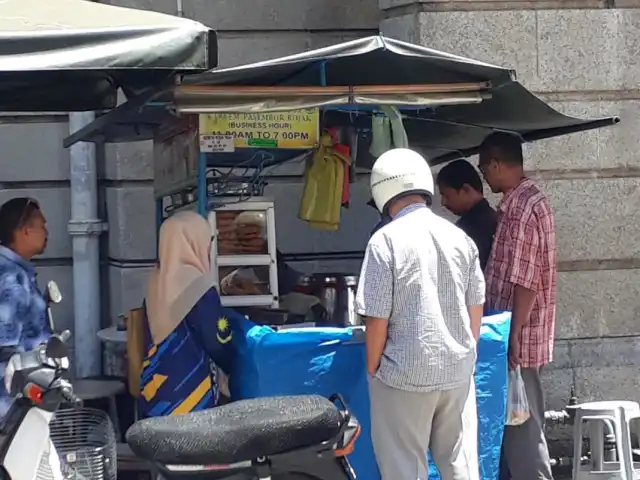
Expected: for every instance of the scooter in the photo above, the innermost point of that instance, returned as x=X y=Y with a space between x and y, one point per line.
x=35 y=380
x=279 y=438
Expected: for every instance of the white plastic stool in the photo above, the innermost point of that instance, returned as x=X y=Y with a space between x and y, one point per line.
x=595 y=415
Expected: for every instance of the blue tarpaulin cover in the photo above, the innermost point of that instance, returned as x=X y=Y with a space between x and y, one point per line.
x=325 y=361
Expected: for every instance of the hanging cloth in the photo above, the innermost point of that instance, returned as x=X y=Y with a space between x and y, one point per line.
x=323 y=187
x=387 y=131
x=344 y=151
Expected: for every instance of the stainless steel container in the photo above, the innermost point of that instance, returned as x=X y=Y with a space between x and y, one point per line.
x=337 y=293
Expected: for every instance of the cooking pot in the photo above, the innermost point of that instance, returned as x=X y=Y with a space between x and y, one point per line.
x=337 y=294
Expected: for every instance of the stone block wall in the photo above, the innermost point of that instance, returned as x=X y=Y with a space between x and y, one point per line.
x=34 y=164
x=582 y=57
x=248 y=31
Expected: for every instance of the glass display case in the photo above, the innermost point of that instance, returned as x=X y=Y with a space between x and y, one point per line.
x=243 y=252
x=242 y=232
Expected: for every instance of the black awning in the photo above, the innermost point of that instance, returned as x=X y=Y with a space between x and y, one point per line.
x=442 y=132
x=74 y=55
x=374 y=60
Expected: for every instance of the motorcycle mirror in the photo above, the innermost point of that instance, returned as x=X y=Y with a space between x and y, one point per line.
x=53 y=293
x=56 y=345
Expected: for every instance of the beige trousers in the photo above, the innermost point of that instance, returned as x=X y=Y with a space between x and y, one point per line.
x=404 y=425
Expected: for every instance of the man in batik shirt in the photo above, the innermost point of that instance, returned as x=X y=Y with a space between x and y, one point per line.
x=23 y=309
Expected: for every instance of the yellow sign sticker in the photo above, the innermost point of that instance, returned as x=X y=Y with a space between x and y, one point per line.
x=296 y=129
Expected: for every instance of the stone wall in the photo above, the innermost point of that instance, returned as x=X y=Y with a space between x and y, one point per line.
x=582 y=57
x=34 y=164
x=248 y=31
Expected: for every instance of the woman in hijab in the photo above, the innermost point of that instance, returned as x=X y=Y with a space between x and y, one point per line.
x=188 y=335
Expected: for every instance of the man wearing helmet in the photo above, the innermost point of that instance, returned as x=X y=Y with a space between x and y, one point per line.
x=421 y=292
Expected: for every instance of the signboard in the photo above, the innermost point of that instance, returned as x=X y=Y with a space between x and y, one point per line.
x=175 y=155
x=296 y=129
x=217 y=143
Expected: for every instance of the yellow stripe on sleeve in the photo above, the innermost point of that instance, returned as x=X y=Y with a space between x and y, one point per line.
x=194 y=397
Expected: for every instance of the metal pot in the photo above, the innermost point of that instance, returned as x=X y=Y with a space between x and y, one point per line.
x=337 y=294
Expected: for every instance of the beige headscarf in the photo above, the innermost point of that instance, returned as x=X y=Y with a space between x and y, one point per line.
x=183 y=274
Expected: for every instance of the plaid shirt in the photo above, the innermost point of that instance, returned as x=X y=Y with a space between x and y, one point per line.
x=524 y=253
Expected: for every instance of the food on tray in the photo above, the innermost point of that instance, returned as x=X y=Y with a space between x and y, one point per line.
x=254 y=242
x=241 y=233
x=225 y=215
x=254 y=218
x=227 y=236
x=518 y=417
x=242 y=281
x=226 y=228
x=248 y=231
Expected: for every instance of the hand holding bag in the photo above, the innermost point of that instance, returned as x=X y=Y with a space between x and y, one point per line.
x=517 y=403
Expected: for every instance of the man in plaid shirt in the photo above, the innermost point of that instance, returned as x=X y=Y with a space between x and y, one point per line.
x=521 y=277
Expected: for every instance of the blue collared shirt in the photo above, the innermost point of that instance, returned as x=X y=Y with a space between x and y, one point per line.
x=23 y=311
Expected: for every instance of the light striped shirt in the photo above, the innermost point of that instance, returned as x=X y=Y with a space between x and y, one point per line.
x=421 y=273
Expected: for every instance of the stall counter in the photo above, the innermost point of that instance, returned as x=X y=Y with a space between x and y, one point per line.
x=325 y=361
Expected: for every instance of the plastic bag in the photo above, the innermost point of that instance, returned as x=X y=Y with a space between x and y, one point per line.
x=323 y=187
x=517 y=402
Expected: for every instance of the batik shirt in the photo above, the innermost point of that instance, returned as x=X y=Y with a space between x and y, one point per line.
x=23 y=311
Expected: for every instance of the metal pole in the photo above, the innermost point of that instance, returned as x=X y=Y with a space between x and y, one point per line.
x=85 y=228
x=203 y=201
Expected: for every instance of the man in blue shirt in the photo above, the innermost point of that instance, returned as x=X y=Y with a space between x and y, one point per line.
x=23 y=309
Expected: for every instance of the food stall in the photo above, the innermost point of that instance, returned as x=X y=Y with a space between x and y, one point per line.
x=217 y=134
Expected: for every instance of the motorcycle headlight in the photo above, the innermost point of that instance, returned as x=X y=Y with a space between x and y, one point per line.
x=12 y=365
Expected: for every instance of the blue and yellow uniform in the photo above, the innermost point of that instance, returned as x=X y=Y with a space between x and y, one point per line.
x=179 y=373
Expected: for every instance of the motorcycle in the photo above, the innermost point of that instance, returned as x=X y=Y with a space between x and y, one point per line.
x=34 y=379
x=280 y=438
x=38 y=439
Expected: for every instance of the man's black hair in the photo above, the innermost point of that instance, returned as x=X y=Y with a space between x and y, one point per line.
x=504 y=147
x=457 y=174
x=15 y=213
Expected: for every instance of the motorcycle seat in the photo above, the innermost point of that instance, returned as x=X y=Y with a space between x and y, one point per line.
x=235 y=432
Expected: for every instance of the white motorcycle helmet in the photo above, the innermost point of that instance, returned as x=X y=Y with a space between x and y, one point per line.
x=399 y=172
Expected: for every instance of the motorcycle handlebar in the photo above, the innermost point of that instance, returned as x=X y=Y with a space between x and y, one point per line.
x=65 y=336
x=70 y=397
